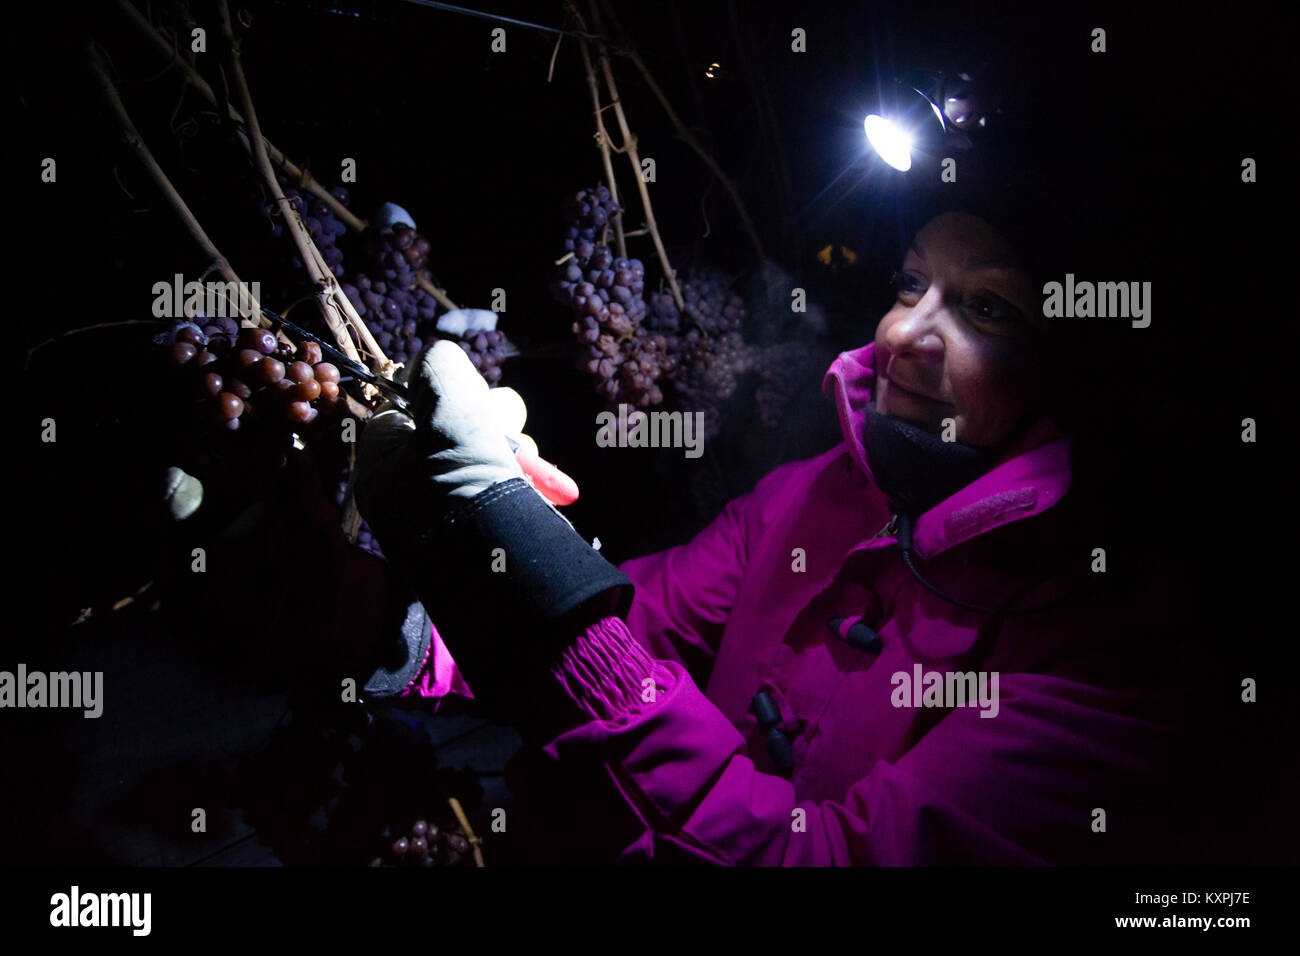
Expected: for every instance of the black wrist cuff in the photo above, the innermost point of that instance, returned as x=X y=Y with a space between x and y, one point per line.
x=399 y=659
x=506 y=579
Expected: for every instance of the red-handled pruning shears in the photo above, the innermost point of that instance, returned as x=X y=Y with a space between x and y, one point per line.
x=551 y=483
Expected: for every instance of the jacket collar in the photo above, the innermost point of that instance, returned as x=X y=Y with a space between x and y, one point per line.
x=1032 y=476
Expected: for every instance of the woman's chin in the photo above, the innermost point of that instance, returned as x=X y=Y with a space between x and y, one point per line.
x=909 y=413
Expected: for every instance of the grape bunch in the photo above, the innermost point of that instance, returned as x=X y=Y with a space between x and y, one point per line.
x=236 y=373
x=607 y=297
x=707 y=303
x=327 y=786
x=709 y=374
x=322 y=225
x=784 y=370
x=705 y=334
x=399 y=318
x=424 y=844
x=486 y=349
x=397 y=254
x=589 y=212
x=401 y=314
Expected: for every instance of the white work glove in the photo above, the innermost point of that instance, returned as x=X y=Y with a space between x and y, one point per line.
x=411 y=471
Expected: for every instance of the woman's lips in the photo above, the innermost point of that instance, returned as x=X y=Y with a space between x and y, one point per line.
x=908 y=393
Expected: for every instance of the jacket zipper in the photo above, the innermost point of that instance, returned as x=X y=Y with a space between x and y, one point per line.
x=889 y=530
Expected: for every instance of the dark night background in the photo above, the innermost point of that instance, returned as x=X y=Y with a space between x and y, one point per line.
x=482 y=151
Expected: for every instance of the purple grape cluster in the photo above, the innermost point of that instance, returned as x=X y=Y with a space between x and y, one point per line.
x=425 y=844
x=783 y=371
x=709 y=373
x=707 y=302
x=344 y=787
x=711 y=352
x=232 y=372
x=607 y=297
x=589 y=215
x=400 y=319
x=322 y=225
x=397 y=254
x=401 y=314
x=486 y=349
x=636 y=347
x=402 y=323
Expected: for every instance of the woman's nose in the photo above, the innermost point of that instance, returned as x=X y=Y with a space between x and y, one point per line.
x=918 y=329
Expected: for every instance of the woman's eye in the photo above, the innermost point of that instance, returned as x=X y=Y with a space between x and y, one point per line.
x=992 y=309
x=905 y=284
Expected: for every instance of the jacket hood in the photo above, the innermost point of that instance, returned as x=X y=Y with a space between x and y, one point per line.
x=1030 y=477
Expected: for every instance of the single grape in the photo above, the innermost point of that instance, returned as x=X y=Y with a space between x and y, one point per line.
x=228 y=406
x=238 y=387
x=245 y=359
x=182 y=353
x=299 y=372
x=268 y=371
x=260 y=339
x=326 y=372
x=307 y=391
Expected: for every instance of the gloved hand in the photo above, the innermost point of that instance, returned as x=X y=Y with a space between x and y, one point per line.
x=496 y=566
x=412 y=471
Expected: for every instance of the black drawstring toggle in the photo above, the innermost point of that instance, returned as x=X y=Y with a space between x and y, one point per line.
x=768 y=715
x=858 y=636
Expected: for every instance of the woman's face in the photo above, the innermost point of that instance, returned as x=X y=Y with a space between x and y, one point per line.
x=964 y=339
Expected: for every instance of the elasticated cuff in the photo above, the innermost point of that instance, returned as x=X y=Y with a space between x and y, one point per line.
x=605 y=671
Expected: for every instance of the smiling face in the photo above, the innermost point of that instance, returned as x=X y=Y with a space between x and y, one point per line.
x=965 y=338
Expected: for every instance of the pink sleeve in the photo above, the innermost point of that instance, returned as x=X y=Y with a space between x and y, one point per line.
x=438 y=676
x=1016 y=790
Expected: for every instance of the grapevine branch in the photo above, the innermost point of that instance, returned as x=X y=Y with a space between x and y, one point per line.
x=335 y=309
x=684 y=134
x=629 y=146
x=425 y=283
x=475 y=842
x=88 y=328
x=602 y=137
x=132 y=138
x=300 y=176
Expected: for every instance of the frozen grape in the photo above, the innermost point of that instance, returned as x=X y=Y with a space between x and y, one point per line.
x=182 y=353
x=299 y=372
x=326 y=372
x=268 y=371
x=307 y=391
x=228 y=406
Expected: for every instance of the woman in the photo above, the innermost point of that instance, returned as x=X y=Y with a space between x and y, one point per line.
x=899 y=652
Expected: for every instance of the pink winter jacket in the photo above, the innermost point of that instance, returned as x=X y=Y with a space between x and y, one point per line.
x=1058 y=762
